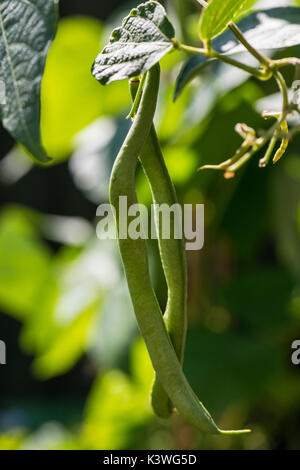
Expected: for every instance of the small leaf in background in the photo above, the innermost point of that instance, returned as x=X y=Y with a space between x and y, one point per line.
x=275 y=28
x=218 y=14
x=119 y=405
x=181 y=163
x=69 y=345
x=70 y=303
x=190 y=70
x=143 y=39
x=26 y=32
x=24 y=261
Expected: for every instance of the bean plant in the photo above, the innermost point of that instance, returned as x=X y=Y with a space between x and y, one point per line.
x=134 y=52
x=229 y=32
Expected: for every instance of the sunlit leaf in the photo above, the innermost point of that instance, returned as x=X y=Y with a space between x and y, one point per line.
x=181 y=163
x=274 y=28
x=70 y=302
x=141 y=366
x=218 y=14
x=143 y=39
x=70 y=343
x=118 y=405
x=71 y=98
x=23 y=261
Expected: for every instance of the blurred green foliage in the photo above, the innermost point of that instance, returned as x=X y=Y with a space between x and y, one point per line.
x=67 y=291
x=71 y=97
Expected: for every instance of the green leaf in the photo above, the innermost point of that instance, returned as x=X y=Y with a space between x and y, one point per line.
x=24 y=261
x=119 y=404
x=143 y=39
x=274 y=28
x=71 y=302
x=68 y=346
x=66 y=110
x=27 y=29
x=189 y=71
x=218 y=14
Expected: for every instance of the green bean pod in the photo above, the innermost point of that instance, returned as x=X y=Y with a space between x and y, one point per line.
x=135 y=260
x=172 y=252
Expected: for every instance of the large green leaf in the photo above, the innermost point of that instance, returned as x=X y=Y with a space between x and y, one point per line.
x=143 y=39
x=218 y=14
x=27 y=29
x=274 y=28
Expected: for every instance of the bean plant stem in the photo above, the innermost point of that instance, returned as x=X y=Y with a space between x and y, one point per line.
x=265 y=160
x=261 y=74
x=137 y=97
x=283 y=88
x=264 y=61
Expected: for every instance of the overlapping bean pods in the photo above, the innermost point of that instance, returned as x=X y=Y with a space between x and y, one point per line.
x=135 y=260
x=172 y=252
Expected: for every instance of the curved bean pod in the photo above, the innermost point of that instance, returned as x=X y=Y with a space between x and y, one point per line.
x=135 y=261
x=172 y=254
